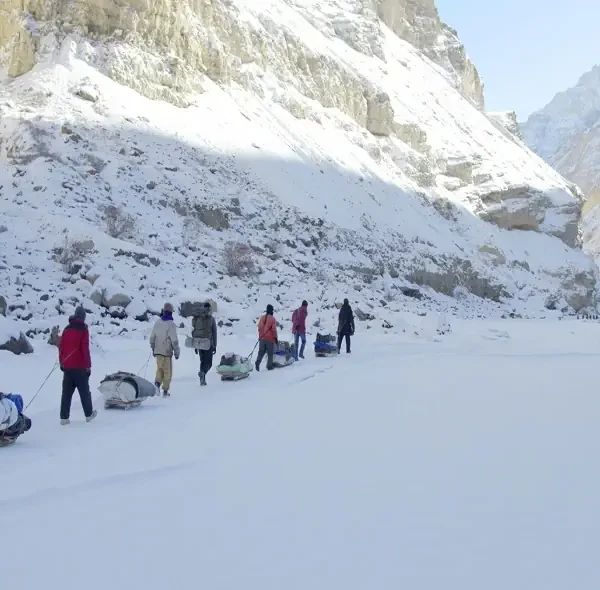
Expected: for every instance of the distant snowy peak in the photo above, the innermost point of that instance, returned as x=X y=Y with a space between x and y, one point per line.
x=566 y=131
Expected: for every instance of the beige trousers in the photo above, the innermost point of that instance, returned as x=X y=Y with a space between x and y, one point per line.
x=164 y=371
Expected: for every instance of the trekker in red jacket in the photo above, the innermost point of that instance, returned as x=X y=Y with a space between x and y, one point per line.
x=267 y=337
x=76 y=365
x=299 y=327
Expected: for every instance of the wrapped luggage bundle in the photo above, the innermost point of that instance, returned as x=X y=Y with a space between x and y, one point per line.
x=325 y=345
x=125 y=390
x=285 y=354
x=233 y=367
x=13 y=423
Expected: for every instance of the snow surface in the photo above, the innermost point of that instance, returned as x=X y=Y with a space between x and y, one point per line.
x=463 y=463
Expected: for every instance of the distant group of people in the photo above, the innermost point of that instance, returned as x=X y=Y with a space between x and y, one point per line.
x=76 y=364
x=268 y=339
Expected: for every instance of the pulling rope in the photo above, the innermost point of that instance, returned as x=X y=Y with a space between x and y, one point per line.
x=42 y=385
x=56 y=364
x=144 y=366
x=252 y=352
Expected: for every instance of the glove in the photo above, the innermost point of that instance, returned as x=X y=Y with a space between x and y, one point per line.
x=196 y=351
x=213 y=351
x=62 y=369
x=176 y=357
x=276 y=341
x=88 y=371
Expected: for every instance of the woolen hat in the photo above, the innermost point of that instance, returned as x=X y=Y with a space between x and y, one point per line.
x=80 y=314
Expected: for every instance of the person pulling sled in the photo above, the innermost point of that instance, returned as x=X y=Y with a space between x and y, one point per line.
x=345 y=325
x=267 y=338
x=76 y=364
x=164 y=344
x=299 y=328
x=204 y=337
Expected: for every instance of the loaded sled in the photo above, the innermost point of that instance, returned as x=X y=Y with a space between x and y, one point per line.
x=326 y=345
x=285 y=354
x=125 y=390
x=234 y=367
x=13 y=423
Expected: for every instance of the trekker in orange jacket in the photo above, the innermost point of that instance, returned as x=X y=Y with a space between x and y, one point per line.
x=267 y=337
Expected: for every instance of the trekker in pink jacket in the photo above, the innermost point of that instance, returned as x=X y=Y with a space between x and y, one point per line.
x=299 y=327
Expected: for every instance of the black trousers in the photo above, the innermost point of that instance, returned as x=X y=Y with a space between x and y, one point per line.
x=268 y=348
x=75 y=379
x=206 y=360
x=340 y=338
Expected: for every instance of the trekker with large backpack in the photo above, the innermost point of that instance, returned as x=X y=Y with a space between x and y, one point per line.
x=345 y=325
x=204 y=335
x=299 y=327
x=267 y=338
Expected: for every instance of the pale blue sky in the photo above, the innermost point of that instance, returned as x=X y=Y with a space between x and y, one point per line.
x=526 y=50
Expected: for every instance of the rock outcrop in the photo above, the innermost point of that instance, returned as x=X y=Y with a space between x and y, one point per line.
x=507 y=121
x=17 y=345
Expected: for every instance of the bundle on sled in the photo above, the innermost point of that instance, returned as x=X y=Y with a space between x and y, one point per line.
x=125 y=390
x=234 y=367
x=285 y=354
x=326 y=345
x=13 y=423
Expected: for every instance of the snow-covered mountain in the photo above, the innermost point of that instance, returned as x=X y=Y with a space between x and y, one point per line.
x=328 y=149
x=566 y=133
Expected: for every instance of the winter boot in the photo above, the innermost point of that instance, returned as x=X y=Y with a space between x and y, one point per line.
x=257 y=366
x=166 y=393
x=157 y=385
x=65 y=421
x=91 y=416
x=202 y=378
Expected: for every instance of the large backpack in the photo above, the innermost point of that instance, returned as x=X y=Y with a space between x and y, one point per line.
x=202 y=326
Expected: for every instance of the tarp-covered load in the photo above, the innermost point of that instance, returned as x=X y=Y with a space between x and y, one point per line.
x=13 y=423
x=285 y=354
x=326 y=345
x=125 y=390
x=233 y=367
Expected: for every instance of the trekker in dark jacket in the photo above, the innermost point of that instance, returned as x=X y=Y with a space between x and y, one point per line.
x=345 y=325
x=204 y=333
x=76 y=365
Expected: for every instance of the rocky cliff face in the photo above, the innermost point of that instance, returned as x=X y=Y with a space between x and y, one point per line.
x=419 y=23
x=371 y=109
x=183 y=27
